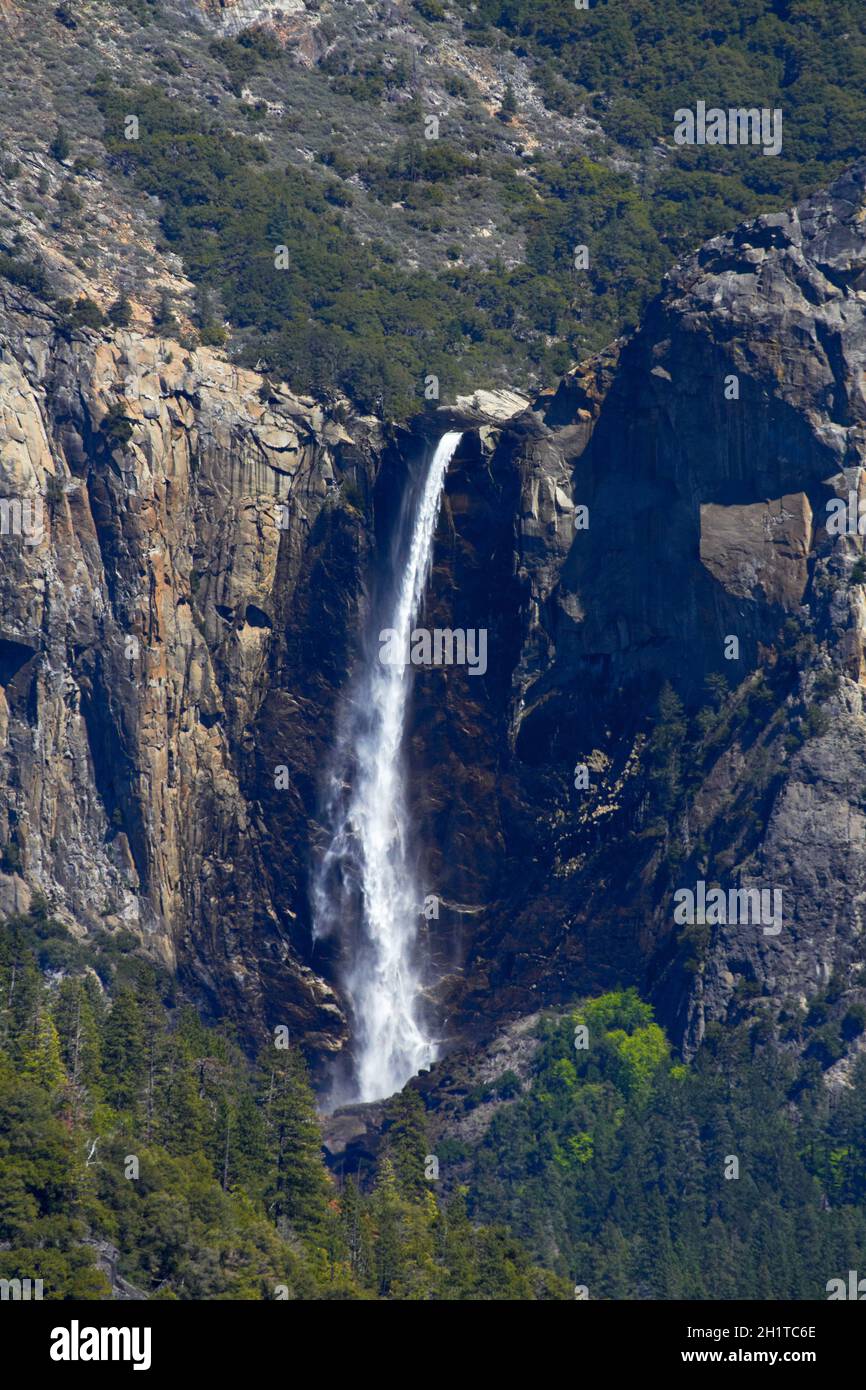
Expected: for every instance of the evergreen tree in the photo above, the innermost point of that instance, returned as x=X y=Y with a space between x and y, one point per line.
x=717 y=688
x=179 y=1115
x=453 y=1235
x=164 y=318
x=385 y=1210
x=120 y=312
x=404 y=1136
x=19 y=986
x=78 y=1030
x=60 y=148
x=250 y=1149
x=297 y=1186
x=123 y=1051
x=508 y=109
x=42 y=1060
x=665 y=748
x=356 y=1233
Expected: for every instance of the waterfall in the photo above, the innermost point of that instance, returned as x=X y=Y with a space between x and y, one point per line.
x=366 y=888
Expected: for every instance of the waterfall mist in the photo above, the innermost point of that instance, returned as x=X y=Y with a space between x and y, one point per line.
x=366 y=888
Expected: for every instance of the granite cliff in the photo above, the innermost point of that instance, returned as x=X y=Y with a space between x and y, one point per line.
x=186 y=511
x=709 y=451
x=177 y=629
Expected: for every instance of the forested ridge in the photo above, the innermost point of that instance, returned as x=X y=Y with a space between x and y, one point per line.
x=379 y=316
x=126 y=1121
x=636 y=201
x=737 y=1176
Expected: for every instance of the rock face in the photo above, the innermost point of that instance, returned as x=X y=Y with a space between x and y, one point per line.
x=233 y=16
x=184 y=552
x=707 y=451
x=760 y=549
x=144 y=626
x=290 y=22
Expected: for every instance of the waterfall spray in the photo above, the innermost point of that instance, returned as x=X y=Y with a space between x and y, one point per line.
x=366 y=876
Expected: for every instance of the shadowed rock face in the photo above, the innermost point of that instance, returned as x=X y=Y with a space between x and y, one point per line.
x=172 y=649
x=706 y=453
x=707 y=500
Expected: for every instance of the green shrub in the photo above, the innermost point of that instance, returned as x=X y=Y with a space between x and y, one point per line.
x=115 y=428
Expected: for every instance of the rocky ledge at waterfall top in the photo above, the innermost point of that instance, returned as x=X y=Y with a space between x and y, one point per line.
x=182 y=631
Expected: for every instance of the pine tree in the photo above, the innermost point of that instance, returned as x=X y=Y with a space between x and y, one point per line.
x=509 y=104
x=716 y=686
x=453 y=1233
x=665 y=749
x=354 y=1228
x=179 y=1113
x=385 y=1210
x=78 y=1030
x=60 y=148
x=405 y=1141
x=120 y=312
x=250 y=1144
x=19 y=987
x=42 y=1060
x=164 y=318
x=297 y=1184
x=123 y=1051
x=153 y=1029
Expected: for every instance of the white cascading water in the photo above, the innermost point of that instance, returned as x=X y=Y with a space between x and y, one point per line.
x=367 y=873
